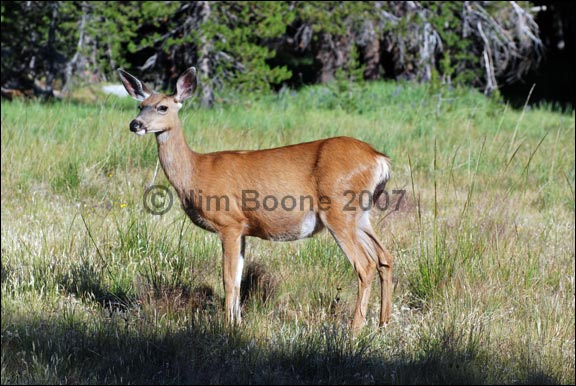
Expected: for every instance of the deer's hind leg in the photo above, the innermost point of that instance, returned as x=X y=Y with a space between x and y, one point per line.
x=385 y=262
x=355 y=236
x=344 y=229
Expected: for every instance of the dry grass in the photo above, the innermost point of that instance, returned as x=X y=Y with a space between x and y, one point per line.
x=97 y=290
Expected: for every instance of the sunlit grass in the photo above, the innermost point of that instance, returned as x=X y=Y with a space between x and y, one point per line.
x=97 y=290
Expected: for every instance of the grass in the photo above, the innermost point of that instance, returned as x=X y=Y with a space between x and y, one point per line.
x=97 y=290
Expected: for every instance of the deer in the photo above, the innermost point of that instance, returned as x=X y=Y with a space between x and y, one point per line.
x=338 y=177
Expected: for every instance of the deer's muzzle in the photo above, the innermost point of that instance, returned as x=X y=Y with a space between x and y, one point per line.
x=135 y=125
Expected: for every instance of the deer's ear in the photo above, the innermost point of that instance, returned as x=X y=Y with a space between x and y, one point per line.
x=134 y=86
x=186 y=85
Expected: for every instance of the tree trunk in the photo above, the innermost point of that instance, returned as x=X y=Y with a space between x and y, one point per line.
x=205 y=49
x=72 y=65
x=334 y=54
x=327 y=58
x=50 y=56
x=371 y=53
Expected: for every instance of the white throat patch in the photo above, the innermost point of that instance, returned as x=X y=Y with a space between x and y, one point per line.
x=163 y=136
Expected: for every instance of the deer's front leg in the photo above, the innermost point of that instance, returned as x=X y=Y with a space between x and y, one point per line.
x=233 y=252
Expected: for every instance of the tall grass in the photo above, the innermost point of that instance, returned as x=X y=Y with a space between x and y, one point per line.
x=97 y=290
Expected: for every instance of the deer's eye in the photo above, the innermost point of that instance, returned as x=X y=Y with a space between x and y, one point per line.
x=140 y=107
x=162 y=108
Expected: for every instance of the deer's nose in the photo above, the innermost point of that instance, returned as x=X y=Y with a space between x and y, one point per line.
x=135 y=125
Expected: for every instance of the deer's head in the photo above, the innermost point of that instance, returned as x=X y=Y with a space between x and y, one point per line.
x=158 y=112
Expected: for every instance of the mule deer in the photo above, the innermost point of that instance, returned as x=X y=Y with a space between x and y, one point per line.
x=333 y=177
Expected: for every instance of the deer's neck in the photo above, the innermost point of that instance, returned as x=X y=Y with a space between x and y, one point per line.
x=176 y=159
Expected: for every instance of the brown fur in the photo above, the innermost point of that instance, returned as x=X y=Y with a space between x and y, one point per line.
x=325 y=178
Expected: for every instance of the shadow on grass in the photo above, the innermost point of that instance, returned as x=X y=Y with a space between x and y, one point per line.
x=117 y=351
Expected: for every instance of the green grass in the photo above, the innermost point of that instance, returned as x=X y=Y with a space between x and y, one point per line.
x=97 y=290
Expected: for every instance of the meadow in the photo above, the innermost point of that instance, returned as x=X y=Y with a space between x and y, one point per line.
x=95 y=289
